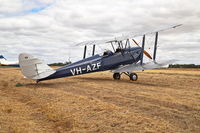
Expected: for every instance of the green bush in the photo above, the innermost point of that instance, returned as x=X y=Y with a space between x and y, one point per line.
x=19 y=85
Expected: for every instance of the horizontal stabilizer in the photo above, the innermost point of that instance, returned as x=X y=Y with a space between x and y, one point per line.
x=145 y=66
x=33 y=68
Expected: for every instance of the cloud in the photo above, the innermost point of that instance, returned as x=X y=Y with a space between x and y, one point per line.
x=49 y=29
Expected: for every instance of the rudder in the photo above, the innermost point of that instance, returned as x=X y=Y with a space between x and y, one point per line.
x=34 y=68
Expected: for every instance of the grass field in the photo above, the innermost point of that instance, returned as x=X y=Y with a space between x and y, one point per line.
x=166 y=100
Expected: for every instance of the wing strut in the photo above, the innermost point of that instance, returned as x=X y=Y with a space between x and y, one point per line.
x=127 y=43
x=112 y=46
x=121 y=44
x=142 y=52
x=93 y=50
x=84 y=54
x=155 y=46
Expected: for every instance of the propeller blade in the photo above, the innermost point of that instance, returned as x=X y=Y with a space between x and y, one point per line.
x=145 y=52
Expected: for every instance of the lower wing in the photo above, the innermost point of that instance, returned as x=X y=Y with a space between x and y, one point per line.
x=145 y=66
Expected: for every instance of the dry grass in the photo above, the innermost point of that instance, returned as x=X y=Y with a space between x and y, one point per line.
x=160 y=101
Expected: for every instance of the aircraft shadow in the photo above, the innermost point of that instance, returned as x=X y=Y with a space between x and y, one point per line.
x=89 y=79
x=125 y=80
x=151 y=84
x=56 y=84
x=48 y=84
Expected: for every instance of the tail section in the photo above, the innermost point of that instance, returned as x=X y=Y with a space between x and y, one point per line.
x=2 y=60
x=33 y=68
x=1 y=57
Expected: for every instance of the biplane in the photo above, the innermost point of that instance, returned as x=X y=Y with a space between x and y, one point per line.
x=4 y=62
x=123 y=59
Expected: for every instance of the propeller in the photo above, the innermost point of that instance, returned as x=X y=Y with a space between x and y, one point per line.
x=145 y=52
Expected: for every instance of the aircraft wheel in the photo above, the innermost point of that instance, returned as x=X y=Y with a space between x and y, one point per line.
x=116 y=76
x=133 y=76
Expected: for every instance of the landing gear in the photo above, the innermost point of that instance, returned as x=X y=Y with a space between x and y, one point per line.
x=37 y=81
x=133 y=76
x=116 y=76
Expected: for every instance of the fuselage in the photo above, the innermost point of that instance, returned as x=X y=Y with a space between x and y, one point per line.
x=9 y=65
x=96 y=63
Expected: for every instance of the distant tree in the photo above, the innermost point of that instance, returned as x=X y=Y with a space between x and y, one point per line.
x=184 y=66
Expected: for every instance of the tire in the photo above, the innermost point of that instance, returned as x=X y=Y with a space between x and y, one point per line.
x=116 y=76
x=133 y=76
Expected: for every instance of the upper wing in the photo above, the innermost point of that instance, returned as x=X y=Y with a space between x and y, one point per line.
x=145 y=66
x=127 y=36
x=96 y=42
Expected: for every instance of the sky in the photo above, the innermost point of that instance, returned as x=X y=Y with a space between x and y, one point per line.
x=50 y=29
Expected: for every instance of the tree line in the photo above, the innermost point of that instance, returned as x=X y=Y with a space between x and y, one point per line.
x=184 y=66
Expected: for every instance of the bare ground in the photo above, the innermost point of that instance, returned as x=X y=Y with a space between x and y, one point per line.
x=160 y=101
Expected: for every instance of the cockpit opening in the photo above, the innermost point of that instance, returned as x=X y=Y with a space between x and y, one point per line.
x=107 y=53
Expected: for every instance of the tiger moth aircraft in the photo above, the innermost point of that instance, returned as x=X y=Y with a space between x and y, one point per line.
x=124 y=59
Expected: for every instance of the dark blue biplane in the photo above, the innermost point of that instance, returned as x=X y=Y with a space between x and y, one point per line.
x=122 y=60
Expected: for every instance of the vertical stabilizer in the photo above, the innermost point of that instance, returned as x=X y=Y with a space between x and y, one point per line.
x=2 y=57
x=33 y=68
